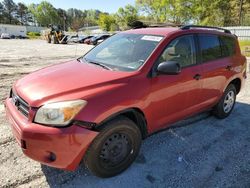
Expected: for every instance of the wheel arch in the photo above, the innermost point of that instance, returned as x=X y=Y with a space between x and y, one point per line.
x=237 y=83
x=134 y=114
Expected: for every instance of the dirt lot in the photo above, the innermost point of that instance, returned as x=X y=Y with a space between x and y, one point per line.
x=199 y=152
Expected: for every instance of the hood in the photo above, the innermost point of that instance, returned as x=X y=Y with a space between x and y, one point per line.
x=63 y=79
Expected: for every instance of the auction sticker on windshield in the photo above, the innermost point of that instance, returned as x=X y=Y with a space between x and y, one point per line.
x=151 y=38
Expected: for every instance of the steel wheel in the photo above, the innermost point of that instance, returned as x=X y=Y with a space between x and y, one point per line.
x=115 y=150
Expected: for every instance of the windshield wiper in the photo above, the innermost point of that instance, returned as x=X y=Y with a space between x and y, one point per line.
x=79 y=59
x=99 y=64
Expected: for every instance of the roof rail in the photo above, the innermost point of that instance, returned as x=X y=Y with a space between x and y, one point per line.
x=205 y=27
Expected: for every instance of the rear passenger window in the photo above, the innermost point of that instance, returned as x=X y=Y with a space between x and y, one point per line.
x=210 y=47
x=227 y=46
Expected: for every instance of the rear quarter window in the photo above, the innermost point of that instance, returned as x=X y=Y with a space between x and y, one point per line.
x=210 y=47
x=227 y=46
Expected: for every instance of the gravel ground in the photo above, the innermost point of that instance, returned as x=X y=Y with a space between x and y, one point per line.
x=199 y=152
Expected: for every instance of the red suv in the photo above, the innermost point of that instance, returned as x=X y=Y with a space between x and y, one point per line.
x=99 y=107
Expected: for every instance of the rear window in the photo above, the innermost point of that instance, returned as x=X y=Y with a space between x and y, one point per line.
x=227 y=46
x=210 y=47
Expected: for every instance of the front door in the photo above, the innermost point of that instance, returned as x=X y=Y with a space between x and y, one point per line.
x=174 y=97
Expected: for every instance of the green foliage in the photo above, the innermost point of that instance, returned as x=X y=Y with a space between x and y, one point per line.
x=204 y=12
x=243 y=45
x=44 y=13
x=91 y=17
x=9 y=10
x=126 y=16
x=107 y=22
x=2 y=17
x=33 y=35
x=22 y=14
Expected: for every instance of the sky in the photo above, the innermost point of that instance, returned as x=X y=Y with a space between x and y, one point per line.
x=110 y=6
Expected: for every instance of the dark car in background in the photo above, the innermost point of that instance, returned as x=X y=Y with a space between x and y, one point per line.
x=82 y=40
x=96 y=39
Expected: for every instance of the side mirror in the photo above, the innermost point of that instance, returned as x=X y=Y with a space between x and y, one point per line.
x=169 y=67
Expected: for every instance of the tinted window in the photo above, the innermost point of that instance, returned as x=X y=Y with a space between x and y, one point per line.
x=210 y=47
x=181 y=50
x=227 y=46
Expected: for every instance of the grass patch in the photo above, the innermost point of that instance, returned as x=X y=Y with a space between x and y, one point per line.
x=243 y=45
x=33 y=35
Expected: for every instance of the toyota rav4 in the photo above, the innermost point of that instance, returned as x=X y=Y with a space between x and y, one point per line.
x=99 y=107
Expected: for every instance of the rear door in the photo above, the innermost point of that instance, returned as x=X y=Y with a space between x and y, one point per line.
x=217 y=61
x=176 y=96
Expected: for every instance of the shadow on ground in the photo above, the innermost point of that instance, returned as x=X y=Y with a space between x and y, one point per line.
x=198 y=152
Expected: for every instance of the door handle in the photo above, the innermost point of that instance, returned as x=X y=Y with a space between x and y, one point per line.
x=197 y=77
x=229 y=67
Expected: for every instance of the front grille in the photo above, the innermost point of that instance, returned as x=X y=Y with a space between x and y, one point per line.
x=21 y=105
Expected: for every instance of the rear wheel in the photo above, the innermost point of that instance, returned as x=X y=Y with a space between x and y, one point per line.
x=226 y=103
x=54 y=39
x=114 y=149
x=49 y=39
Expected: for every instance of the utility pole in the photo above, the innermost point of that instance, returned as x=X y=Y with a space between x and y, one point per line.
x=240 y=14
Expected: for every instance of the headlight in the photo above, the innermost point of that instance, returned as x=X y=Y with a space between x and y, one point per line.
x=60 y=113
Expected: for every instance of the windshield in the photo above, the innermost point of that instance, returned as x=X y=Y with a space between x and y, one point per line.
x=124 y=52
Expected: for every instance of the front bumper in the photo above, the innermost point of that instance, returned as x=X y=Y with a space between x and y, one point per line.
x=57 y=147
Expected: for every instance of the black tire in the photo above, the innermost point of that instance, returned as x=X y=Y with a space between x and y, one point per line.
x=219 y=110
x=114 y=149
x=54 y=39
x=49 y=39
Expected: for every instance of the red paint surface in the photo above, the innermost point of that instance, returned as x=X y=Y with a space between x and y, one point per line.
x=163 y=99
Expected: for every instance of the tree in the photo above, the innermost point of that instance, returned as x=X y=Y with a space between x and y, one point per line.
x=62 y=16
x=106 y=22
x=240 y=12
x=2 y=17
x=23 y=14
x=77 y=24
x=44 y=13
x=9 y=10
x=92 y=16
x=75 y=18
x=204 y=12
x=126 y=16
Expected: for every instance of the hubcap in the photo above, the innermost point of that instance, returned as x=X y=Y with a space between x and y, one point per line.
x=115 y=150
x=229 y=101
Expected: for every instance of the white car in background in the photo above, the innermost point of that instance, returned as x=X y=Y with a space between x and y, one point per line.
x=5 y=36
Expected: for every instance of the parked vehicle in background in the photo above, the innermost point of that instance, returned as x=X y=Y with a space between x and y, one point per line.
x=99 y=107
x=15 y=30
x=5 y=36
x=75 y=38
x=88 y=40
x=98 y=39
x=85 y=38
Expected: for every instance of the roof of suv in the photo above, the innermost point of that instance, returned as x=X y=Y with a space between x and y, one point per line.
x=154 y=30
x=164 y=31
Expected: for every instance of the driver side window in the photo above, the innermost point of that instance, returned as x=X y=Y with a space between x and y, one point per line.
x=180 y=50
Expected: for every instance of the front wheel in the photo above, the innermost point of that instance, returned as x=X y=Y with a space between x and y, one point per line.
x=226 y=103
x=114 y=149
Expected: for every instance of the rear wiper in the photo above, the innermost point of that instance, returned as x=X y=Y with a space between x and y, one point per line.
x=99 y=64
